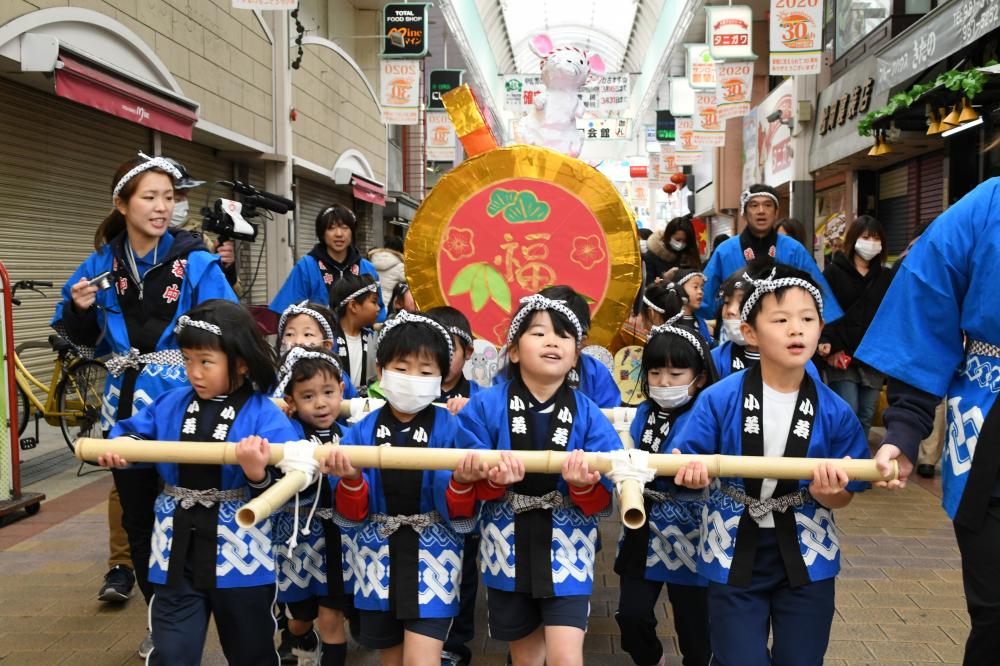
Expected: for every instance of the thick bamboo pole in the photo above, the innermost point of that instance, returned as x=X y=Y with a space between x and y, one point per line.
x=366 y=405
x=547 y=462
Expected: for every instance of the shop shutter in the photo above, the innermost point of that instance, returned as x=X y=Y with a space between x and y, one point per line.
x=893 y=207
x=930 y=198
x=312 y=198
x=252 y=257
x=57 y=160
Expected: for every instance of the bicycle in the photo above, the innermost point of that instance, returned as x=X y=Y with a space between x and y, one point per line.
x=74 y=394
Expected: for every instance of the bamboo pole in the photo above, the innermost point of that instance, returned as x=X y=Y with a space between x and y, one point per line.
x=546 y=462
x=367 y=405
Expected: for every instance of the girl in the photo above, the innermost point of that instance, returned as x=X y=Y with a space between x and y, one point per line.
x=690 y=286
x=309 y=324
x=539 y=532
x=455 y=385
x=402 y=299
x=859 y=282
x=676 y=246
x=157 y=274
x=409 y=549
x=657 y=300
x=770 y=548
x=356 y=307
x=675 y=367
x=332 y=259
x=313 y=582
x=734 y=354
x=203 y=563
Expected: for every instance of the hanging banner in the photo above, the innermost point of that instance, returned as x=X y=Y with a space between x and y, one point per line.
x=700 y=67
x=729 y=32
x=709 y=131
x=405 y=30
x=399 y=86
x=796 y=29
x=607 y=94
x=753 y=168
x=667 y=163
x=774 y=138
x=440 y=137
x=607 y=129
x=734 y=82
x=681 y=97
x=441 y=81
x=686 y=151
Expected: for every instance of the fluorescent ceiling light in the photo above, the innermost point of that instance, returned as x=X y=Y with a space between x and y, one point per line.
x=956 y=130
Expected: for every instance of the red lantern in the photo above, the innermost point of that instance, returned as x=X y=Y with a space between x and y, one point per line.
x=678 y=179
x=669 y=188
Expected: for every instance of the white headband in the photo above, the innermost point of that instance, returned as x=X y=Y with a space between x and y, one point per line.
x=680 y=283
x=461 y=334
x=404 y=317
x=303 y=308
x=537 y=302
x=373 y=287
x=184 y=321
x=295 y=355
x=652 y=306
x=769 y=285
x=670 y=328
x=747 y=195
x=150 y=163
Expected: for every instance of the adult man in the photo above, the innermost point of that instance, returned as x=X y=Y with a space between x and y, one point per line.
x=759 y=206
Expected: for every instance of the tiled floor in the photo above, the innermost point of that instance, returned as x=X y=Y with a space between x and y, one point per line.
x=899 y=597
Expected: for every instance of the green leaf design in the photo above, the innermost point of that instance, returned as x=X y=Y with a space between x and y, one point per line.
x=590 y=301
x=499 y=201
x=480 y=290
x=527 y=209
x=465 y=278
x=498 y=288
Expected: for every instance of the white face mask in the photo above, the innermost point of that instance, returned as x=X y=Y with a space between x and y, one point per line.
x=867 y=248
x=180 y=214
x=677 y=245
x=642 y=247
x=733 y=331
x=408 y=393
x=670 y=397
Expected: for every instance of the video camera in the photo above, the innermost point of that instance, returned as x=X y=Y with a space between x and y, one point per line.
x=228 y=218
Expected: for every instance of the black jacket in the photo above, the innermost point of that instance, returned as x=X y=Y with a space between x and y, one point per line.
x=859 y=295
x=660 y=258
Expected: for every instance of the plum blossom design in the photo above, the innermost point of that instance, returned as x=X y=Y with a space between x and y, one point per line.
x=587 y=251
x=458 y=243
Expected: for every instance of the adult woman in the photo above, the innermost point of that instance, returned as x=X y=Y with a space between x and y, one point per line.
x=793 y=228
x=859 y=281
x=155 y=275
x=330 y=259
x=675 y=247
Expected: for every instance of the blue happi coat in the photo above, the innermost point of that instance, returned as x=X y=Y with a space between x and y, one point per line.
x=440 y=546
x=202 y=279
x=302 y=573
x=596 y=382
x=244 y=557
x=305 y=282
x=945 y=291
x=722 y=356
x=728 y=258
x=714 y=425
x=674 y=525
x=574 y=535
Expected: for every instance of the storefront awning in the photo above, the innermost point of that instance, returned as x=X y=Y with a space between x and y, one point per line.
x=367 y=190
x=88 y=85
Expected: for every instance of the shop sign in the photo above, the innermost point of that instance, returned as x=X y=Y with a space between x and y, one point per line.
x=935 y=37
x=709 y=131
x=733 y=85
x=681 y=97
x=605 y=129
x=442 y=81
x=848 y=106
x=773 y=139
x=440 y=137
x=700 y=67
x=399 y=86
x=729 y=32
x=796 y=31
x=687 y=152
x=405 y=30
x=609 y=93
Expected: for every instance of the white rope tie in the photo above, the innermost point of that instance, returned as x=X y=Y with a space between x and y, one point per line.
x=629 y=465
x=299 y=458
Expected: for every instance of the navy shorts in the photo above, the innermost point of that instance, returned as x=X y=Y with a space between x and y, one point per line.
x=381 y=629
x=307 y=609
x=514 y=615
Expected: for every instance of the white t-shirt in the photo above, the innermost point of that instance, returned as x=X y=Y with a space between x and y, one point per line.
x=778 y=411
x=354 y=353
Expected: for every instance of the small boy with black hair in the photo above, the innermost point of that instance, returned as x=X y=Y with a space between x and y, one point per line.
x=354 y=300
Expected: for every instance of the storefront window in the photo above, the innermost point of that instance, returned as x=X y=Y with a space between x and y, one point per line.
x=857 y=18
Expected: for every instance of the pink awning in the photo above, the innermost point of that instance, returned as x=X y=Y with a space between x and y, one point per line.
x=368 y=191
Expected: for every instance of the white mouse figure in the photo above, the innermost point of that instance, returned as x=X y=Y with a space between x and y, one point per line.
x=552 y=122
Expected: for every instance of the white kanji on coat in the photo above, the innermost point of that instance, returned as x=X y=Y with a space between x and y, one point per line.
x=752 y=425
x=518 y=426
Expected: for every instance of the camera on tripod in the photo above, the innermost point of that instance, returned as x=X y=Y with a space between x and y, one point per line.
x=228 y=218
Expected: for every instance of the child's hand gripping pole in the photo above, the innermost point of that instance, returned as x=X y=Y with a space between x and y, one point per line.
x=301 y=470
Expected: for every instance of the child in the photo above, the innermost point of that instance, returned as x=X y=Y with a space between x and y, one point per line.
x=311 y=574
x=456 y=390
x=539 y=531
x=203 y=562
x=401 y=299
x=657 y=300
x=308 y=324
x=769 y=548
x=409 y=549
x=689 y=284
x=675 y=367
x=355 y=300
